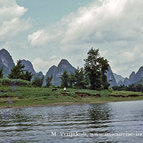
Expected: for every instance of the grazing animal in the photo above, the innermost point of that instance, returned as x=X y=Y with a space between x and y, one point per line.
x=54 y=89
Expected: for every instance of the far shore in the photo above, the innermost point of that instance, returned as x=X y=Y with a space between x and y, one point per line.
x=66 y=104
x=22 y=97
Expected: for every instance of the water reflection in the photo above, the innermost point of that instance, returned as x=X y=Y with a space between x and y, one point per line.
x=13 y=120
x=36 y=124
x=99 y=113
x=17 y=115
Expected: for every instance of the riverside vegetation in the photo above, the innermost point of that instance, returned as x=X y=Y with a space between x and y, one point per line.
x=13 y=96
x=85 y=85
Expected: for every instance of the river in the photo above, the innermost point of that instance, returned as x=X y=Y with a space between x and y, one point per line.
x=118 y=122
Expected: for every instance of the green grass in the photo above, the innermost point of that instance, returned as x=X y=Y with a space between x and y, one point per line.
x=126 y=93
x=30 y=96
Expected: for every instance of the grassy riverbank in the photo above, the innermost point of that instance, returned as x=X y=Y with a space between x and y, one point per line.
x=30 y=96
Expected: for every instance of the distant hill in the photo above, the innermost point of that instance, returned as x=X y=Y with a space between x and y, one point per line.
x=64 y=65
x=134 y=77
x=57 y=71
x=139 y=82
x=118 y=78
x=28 y=66
x=110 y=78
x=6 y=61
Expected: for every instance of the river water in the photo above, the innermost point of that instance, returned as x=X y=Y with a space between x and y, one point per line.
x=111 y=122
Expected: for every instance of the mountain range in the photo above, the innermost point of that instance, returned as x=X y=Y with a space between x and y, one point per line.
x=7 y=63
x=133 y=78
x=118 y=78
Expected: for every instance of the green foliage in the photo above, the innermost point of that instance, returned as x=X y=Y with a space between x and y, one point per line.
x=48 y=81
x=27 y=75
x=1 y=72
x=120 y=88
x=31 y=96
x=38 y=80
x=132 y=87
x=14 y=82
x=17 y=72
x=65 y=79
x=71 y=79
x=96 y=67
x=104 y=68
x=80 y=79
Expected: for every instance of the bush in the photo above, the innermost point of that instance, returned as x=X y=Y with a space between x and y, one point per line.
x=38 y=81
x=14 y=82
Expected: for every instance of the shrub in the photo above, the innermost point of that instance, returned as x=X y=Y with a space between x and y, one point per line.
x=14 y=82
x=38 y=80
x=48 y=81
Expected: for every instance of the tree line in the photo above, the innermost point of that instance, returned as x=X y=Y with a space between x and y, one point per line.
x=92 y=75
x=132 y=87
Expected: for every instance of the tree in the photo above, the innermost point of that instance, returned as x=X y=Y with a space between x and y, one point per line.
x=38 y=80
x=104 y=68
x=80 y=79
x=96 y=67
x=48 y=81
x=64 y=79
x=17 y=71
x=71 y=79
x=28 y=75
x=1 y=72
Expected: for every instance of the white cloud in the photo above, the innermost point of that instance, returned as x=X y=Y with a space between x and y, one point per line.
x=39 y=64
x=11 y=22
x=113 y=26
x=82 y=25
x=10 y=29
x=53 y=58
x=9 y=9
x=41 y=37
x=43 y=65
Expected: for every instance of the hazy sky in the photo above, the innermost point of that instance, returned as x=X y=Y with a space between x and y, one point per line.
x=45 y=31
